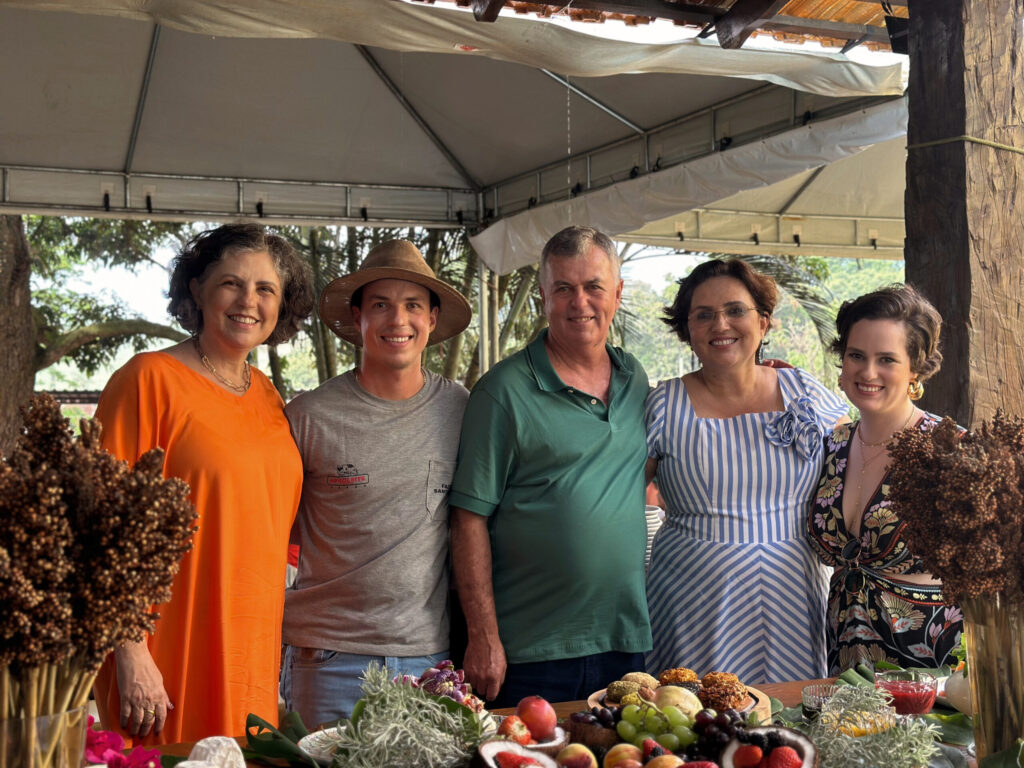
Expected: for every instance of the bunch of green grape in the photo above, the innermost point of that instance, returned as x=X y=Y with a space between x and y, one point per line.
x=670 y=727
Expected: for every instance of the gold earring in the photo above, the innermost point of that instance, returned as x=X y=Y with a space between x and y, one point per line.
x=915 y=390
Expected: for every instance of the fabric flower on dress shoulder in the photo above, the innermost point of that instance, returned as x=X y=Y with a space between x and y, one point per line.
x=797 y=426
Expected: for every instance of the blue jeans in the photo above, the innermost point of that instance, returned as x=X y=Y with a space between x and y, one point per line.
x=324 y=686
x=565 y=679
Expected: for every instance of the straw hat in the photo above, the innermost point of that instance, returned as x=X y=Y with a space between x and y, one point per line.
x=399 y=260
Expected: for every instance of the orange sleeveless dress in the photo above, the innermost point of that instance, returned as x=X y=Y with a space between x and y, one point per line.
x=218 y=641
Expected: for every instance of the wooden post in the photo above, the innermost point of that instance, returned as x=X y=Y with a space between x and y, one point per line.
x=965 y=231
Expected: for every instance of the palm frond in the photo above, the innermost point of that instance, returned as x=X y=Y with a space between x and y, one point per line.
x=808 y=291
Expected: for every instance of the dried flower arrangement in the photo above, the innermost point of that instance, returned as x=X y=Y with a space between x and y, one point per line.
x=961 y=497
x=89 y=545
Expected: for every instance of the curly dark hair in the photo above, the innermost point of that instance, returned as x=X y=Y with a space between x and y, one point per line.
x=207 y=248
x=902 y=302
x=761 y=287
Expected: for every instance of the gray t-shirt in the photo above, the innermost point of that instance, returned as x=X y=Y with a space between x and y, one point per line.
x=373 y=521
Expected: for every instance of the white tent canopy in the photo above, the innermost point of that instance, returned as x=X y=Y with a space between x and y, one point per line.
x=386 y=112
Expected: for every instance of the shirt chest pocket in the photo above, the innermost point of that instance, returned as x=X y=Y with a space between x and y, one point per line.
x=439 y=482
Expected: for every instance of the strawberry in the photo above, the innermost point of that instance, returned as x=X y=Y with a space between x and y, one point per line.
x=652 y=749
x=513 y=760
x=515 y=729
x=784 y=757
x=702 y=764
x=747 y=756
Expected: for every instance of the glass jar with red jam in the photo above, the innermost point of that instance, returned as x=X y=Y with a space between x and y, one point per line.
x=913 y=692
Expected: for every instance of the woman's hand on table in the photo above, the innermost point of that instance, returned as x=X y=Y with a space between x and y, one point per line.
x=144 y=702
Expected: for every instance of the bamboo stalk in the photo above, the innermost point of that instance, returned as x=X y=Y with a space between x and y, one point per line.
x=5 y=712
x=5 y=692
x=30 y=713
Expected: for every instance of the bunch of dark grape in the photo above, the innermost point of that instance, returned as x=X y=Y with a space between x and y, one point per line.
x=714 y=730
x=605 y=716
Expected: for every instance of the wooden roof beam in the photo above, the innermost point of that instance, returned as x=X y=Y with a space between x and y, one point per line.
x=743 y=19
x=682 y=13
x=835 y=29
x=487 y=10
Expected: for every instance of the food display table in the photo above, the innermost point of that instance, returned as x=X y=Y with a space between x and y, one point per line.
x=787 y=693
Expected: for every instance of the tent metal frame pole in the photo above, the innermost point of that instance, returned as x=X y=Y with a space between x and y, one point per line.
x=595 y=101
x=416 y=116
x=140 y=107
x=492 y=319
x=483 y=344
x=233 y=179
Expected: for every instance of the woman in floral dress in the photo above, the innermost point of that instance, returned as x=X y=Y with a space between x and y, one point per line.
x=883 y=604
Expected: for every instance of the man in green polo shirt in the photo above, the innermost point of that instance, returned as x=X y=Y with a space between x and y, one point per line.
x=548 y=527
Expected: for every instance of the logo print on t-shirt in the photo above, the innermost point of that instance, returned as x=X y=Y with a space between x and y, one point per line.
x=348 y=475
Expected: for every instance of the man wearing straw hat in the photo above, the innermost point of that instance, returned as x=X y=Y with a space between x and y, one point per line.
x=378 y=447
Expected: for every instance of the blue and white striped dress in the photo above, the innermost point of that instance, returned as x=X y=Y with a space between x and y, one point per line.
x=733 y=584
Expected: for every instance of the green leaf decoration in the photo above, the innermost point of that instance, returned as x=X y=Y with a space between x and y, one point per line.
x=948 y=757
x=267 y=742
x=1008 y=758
x=955 y=728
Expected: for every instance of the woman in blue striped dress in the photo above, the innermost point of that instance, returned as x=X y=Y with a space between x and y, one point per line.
x=737 y=450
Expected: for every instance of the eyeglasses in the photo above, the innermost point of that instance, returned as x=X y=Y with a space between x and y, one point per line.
x=707 y=316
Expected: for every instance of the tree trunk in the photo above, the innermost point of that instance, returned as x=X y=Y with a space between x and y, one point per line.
x=18 y=374
x=352 y=252
x=277 y=372
x=964 y=236
x=454 y=351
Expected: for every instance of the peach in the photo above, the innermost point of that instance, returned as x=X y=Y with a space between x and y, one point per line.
x=665 y=761
x=621 y=752
x=576 y=756
x=628 y=763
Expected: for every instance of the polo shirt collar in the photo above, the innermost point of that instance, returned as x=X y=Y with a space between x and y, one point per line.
x=544 y=372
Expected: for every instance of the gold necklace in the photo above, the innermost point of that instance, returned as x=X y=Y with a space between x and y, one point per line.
x=865 y=461
x=864 y=442
x=246 y=374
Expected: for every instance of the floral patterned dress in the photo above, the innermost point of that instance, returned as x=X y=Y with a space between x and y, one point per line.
x=872 y=615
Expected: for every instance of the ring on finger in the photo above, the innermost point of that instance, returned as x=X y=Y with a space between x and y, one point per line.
x=150 y=712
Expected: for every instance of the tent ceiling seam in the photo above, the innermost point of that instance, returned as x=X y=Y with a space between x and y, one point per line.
x=420 y=121
x=803 y=188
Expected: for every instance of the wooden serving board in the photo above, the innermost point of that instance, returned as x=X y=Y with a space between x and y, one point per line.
x=762 y=705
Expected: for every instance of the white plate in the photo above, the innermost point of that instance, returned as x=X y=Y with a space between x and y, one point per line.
x=320 y=745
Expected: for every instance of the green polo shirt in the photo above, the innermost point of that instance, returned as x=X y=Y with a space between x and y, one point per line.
x=560 y=476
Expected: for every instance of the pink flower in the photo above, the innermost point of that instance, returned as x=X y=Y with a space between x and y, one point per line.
x=140 y=757
x=102 y=746
x=108 y=747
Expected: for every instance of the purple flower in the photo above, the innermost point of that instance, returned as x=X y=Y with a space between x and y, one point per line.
x=445 y=680
x=796 y=426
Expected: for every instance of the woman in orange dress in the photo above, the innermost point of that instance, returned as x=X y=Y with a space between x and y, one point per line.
x=215 y=654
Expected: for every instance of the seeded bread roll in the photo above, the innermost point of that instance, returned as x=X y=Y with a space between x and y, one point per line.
x=677 y=675
x=645 y=680
x=620 y=688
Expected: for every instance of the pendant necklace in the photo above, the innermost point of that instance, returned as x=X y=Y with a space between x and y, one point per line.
x=864 y=444
x=246 y=374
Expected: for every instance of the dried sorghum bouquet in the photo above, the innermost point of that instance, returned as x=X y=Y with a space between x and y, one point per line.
x=961 y=497
x=88 y=545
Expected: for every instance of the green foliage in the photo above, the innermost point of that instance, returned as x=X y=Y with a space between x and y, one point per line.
x=65 y=251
